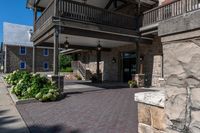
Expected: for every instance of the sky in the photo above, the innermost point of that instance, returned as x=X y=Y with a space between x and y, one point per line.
x=14 y=11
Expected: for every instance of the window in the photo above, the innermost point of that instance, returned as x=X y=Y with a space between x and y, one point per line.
x=46 y=66
x=22 y=51
x=45 y=52
x=22 y=65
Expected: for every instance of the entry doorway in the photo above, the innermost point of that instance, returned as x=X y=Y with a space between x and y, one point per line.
x=129 y=65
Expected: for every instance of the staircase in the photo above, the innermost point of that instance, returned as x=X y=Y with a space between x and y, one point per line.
x=81 y=69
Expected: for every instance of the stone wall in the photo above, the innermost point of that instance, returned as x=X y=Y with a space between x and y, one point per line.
x=153 y=64
x=13 y=59
x=151 y=114
x=182 y=75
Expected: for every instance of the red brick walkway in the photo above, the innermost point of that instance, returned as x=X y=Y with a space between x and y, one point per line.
x=103 y=111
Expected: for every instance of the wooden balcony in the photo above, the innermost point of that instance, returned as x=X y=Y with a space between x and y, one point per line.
x=71 y=10
x=176 y=8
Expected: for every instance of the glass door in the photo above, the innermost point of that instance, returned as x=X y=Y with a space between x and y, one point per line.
x=129 y=65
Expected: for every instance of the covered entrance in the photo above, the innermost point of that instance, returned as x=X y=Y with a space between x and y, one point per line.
x=129 y=65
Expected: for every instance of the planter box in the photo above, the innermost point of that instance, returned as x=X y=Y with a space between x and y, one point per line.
x=19 y=101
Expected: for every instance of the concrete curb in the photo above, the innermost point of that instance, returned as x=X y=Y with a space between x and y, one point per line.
x=14 y=98
x=7 y=85
x=19 y=101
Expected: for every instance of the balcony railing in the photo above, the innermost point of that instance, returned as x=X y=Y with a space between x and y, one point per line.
x=46 y=14
x=170 y=10
x=86 y=13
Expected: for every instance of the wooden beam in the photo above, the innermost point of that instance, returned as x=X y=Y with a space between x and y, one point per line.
x=109 y=4
x=56 y=52
x=95 y=34
x=137 y=57
x=34 y=59
x=46 y=44
x=115 y=3
x=142 y=3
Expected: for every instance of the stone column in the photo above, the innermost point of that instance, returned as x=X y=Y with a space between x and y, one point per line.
x=182 y=75
x=34 y=60
x=157 y=70
x=157 y=66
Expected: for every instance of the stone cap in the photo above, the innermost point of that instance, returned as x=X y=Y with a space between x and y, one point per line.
x=155 y=98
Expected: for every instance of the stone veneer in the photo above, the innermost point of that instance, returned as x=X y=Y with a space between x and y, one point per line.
x=182 y=75
x=151 y=115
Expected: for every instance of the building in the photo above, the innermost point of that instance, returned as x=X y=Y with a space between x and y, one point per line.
x=117 y=46
x=19 y=50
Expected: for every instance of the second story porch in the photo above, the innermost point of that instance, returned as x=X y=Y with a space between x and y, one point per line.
x=73 y=15
x=73 y=25
x=173 y=17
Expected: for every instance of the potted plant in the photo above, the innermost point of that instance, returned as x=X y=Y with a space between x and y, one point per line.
x=132 y=83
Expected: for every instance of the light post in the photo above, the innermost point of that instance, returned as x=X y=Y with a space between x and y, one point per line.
x=99 y=48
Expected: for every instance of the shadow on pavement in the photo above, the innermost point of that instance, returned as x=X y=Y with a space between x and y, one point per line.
x=4 y=120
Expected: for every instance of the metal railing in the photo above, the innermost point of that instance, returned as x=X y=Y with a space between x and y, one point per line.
x=86 y=13
x=169 y=10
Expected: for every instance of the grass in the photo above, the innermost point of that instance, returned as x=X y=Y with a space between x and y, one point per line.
x=67 y=69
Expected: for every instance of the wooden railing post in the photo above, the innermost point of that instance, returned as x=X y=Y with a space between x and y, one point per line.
x=184 y=6
x=55 y=8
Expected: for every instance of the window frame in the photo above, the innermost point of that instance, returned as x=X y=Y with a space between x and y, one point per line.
x=44 y=52
x=20 y=65
x=20 y=50
x=47 y=65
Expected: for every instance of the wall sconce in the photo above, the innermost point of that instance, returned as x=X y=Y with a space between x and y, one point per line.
x=114 y=60
x=141 y=58
x=99 y=47
x=66 y=44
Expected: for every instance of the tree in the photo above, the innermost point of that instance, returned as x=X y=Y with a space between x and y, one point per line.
x=65 y=61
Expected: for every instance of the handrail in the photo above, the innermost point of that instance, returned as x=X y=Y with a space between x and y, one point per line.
x=169 y=10
x=81 y=68
x=160 y=6
x=78 y=65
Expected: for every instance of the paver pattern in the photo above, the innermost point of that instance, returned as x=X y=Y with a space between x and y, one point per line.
x=101 y=111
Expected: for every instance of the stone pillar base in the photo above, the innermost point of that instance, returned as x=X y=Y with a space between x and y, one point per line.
x=59 y=81
x=139 y=78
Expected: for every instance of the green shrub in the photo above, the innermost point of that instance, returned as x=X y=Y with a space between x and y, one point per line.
x=132 y=83
x=65 y=60
x=26 y=85
x=14 y=77
x=78 y=77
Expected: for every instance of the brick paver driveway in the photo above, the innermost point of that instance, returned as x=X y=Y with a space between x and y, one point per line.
x=102 y=111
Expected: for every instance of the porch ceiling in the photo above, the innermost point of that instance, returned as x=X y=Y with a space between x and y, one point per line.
x=88 y=41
